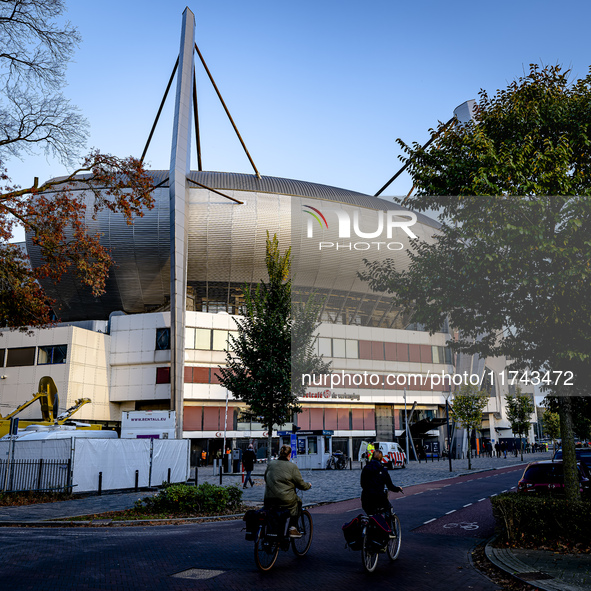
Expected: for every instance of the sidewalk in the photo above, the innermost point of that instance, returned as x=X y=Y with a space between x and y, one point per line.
x=545 y=570
x=328 y=486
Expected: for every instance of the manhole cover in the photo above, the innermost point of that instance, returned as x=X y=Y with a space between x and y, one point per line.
x=200 y=574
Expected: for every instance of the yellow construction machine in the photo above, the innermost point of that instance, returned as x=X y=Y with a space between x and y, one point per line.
x=48 y=398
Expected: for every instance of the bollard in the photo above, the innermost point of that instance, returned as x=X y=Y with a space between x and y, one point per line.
x=100 y=486
x=196 y=477
x=169 y=476
x=137 y=480
x=220 y=474
x=350 y=463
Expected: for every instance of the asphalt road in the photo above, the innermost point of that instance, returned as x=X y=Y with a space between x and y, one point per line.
x=441 y=521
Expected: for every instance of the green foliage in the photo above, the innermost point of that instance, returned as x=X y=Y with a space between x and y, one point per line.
x=466 y=410
x=551 y=424
x=513 y=193
x=184 y=499
x=259 y=364
x=527 y=520
x=511 y=264
x=519 y=409
x=468 y=405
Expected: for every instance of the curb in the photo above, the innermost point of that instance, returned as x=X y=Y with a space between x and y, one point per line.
x=504 y=559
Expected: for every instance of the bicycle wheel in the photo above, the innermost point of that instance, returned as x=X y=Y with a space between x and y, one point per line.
x=394 y=543
x=265 y=552
x=300 y=546
x=369 y=557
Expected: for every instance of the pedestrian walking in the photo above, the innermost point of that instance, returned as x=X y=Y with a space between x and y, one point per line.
x=248 y=460
x=504 y=450
x=203 y=458
x=498 y=449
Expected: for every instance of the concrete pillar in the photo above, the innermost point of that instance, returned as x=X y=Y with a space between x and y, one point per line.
x=180 y=166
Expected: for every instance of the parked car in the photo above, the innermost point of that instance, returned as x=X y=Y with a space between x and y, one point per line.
x=583 y=455
x=547 y=477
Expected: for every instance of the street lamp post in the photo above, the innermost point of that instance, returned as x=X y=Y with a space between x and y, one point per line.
x=448 y=433
x=406 y=426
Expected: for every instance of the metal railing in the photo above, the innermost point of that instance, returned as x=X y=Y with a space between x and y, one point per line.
x=36 y=475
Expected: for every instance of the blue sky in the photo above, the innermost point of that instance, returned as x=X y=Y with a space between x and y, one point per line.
x=319 y=90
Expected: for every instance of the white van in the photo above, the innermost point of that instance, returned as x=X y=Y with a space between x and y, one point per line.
x=394 y=457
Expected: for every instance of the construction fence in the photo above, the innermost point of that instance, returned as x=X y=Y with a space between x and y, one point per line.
x=92 y=465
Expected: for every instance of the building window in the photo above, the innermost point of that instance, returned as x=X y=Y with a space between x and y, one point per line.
x=203 y=339
x=52 y=355
x=220 y=340
x=324 y=347
x=163 y=375
x=162 y=339
x=20 y=356
x=338 y=348
x=1 y=357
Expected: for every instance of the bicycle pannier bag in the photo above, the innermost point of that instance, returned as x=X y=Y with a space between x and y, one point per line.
x=253 y=519
x=353 y=532
x=379 y=530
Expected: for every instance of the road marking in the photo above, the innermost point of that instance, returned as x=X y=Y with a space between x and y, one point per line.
x=446 y=485
x=351 y=510
x=467 y=505
x=480 y=500
x=420 y=493
x=450 y=512
x=430 y=520
x=503 y=491
x=494 y=495
x=512 y=487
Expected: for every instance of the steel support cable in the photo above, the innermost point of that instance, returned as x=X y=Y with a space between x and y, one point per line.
x=227 y=112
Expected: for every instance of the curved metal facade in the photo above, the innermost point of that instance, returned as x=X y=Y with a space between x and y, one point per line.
x=226 y=249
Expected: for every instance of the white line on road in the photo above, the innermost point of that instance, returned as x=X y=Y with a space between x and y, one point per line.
x=480 y=500
x=494 y=495
x=467 y=505
x=450 y=512
x=512 y=487
x=420 y=493
x=504 y=491
x=430 y=520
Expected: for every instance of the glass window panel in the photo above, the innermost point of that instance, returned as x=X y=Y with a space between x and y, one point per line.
x=436 y=358
x=44 y=355
x=59 y=353
x=324 y=348
x=189 y=338
x=162 y=339
x=312 y=445
x=338 y=348
x=448 y=356
x=220 y=340
x=203 y=339
x=352 y=348
x=1 y=357
x=20 y=356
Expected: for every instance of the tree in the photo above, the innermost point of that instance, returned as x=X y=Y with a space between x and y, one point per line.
x=552 y=426
x=261 y=367
x=519 y=409
x=466 y=410
x=510 y=266
x=34 y=116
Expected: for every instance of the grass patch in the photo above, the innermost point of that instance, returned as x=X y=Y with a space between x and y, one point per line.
x=16 y=499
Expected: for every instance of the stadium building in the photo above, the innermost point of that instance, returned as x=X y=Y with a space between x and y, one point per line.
x=155 y=339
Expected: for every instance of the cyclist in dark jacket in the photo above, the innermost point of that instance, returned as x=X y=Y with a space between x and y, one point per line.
x=374 y=482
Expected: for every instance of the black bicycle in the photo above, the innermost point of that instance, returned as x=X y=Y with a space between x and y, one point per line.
x=337 y=461
x=269 y=530
x=381 y=533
